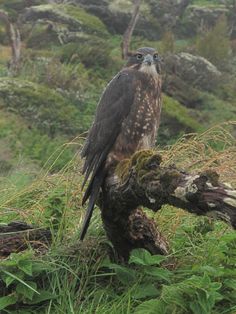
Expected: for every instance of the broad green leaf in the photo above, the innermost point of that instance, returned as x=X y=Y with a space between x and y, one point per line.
x=42 y=296
x=126 y=275
x=145 y=290
x=25 y=291
x=150 y=307
x=143 y=257
x=174 y=294
x=25 y=266
x=159 y=273
x=20 y=280
x=8 y=280
x=7 y=300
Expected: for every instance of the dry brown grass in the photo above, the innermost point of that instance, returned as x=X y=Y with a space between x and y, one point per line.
x=213 y=149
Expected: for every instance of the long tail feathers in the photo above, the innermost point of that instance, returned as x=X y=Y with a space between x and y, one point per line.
x=93 y=192
x=87 y=217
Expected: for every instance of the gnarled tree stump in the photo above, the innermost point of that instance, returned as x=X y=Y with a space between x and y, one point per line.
x=143 y=181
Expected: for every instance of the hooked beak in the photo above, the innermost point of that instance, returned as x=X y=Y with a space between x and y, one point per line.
x=148 y=59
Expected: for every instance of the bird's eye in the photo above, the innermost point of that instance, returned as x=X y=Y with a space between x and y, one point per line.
x=139 y=56
x=155 y=56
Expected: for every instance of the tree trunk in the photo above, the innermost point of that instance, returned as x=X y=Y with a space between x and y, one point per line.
x=142 y=181
x=129 y=31
x=14 y=37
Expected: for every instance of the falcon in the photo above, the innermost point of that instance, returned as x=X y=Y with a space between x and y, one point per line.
x=127 y=119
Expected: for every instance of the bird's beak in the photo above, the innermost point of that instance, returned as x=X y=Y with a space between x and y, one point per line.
x=148 y=59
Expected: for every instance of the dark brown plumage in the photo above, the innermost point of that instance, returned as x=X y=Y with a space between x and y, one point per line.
x=126 y=120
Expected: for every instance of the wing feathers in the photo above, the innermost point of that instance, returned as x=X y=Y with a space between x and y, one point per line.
x=113 y=108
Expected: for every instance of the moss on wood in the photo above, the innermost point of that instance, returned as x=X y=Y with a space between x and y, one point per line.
x=142 y=162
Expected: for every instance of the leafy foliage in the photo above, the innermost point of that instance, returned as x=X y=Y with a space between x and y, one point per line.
x=19 y=275
x=208 y=44
x=43 y=107
x=168 y=42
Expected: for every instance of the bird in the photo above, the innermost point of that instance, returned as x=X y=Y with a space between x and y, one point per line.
x=127 y=120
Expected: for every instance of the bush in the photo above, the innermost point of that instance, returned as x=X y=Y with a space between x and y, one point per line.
x=54 y=74
x=175 y=121
x=20 y=143
x=168 y=42
x=215 y=44
x=40 y=106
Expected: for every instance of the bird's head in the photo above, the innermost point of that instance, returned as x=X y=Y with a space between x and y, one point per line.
x=146 y=60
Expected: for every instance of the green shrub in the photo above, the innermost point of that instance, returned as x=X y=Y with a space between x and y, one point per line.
x=55 y=75
x=42 y=37
x=20 y=282
x=215 y=44
x=41 y=149
x=176 y=120
x=168 y=42
x=90 y=22
x=31 y=145
x=95 y=54
x=40 y=106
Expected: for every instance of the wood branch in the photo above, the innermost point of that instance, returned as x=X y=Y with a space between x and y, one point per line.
x=129 y=31
x=143 y=181
x=14 y=37
x=18 y=236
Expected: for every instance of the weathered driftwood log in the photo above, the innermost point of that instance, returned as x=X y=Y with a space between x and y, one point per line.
x=143 y=181
x=18 y=236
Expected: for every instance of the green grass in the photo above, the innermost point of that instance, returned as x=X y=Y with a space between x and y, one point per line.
x=21 y=146
x=175 y=110
x=216 y=109
x=198 y=275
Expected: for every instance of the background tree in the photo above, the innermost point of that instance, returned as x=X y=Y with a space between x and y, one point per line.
x=14 y=38
x=129 y=31
x=215 y=44
x=168 y=42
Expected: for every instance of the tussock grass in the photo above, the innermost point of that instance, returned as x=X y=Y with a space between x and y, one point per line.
x=214 y=148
